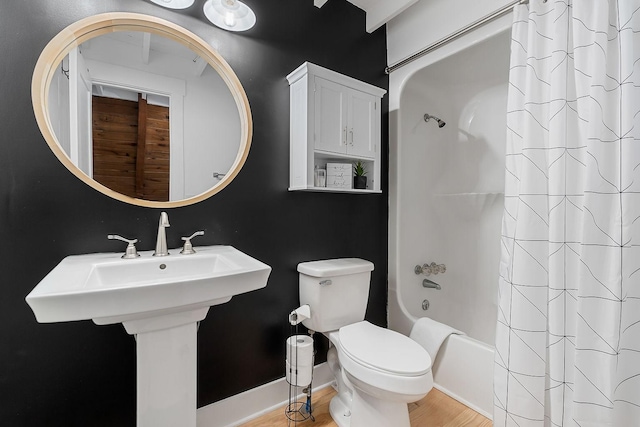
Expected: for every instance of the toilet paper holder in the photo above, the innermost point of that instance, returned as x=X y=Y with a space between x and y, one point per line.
x=299 y=314
x=300 y=356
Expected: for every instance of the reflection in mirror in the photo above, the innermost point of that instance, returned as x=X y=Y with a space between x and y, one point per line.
x=144 y=116
x=192 y=121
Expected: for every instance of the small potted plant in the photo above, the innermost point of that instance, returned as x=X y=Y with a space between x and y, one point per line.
x=359 y=176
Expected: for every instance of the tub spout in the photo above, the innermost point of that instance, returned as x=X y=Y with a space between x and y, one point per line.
x=431 y=285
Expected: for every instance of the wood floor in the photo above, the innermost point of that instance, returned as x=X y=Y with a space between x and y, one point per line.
x=435 y=410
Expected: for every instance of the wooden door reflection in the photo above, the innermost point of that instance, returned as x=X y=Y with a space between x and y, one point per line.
x=131 y=147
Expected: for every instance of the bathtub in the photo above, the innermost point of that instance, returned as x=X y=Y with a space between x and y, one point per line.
x=446 y=195
x=463 y=369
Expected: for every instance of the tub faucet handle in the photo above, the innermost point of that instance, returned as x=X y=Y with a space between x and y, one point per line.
x=429 y=269
x=425 y=269
x=187 y=249
x=131 y=251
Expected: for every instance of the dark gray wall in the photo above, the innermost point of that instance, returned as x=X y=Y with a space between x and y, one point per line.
x=80 y=374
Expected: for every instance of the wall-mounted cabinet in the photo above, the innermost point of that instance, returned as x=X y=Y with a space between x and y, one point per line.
x=333 y=119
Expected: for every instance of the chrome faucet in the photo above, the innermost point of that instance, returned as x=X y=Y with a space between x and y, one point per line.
x=161 y=241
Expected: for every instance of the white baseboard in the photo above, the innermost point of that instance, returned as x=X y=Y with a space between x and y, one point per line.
x=243 y=407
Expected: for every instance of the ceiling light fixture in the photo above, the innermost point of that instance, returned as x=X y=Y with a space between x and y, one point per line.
x=232 y=15
x=174 y=4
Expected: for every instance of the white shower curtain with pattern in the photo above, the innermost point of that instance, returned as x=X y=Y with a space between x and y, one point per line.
x=568 y=334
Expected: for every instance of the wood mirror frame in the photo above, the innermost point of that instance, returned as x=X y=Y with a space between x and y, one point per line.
x=93 y=26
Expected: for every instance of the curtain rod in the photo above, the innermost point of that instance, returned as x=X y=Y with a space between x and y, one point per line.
x=488 y=18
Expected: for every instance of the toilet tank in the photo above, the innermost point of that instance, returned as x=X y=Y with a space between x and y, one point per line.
x=337 y=290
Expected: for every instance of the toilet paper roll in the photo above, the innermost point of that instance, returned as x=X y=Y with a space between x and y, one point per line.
x=299 y=363
x=300 y=350
x=300 y=377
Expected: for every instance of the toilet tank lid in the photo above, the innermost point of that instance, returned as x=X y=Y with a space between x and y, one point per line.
x=335 y=267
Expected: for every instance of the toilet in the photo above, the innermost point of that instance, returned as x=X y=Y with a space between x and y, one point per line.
x=378 y=371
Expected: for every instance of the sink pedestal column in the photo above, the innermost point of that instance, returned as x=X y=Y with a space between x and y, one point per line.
x=166 y=348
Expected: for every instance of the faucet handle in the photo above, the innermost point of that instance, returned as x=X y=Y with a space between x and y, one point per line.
x=131 y=251
x=188 y=248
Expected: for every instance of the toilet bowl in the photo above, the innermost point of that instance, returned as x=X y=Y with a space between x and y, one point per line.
x=377 y=371
x=384 y=371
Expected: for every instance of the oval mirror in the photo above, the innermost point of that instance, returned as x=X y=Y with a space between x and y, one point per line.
x=141 y=109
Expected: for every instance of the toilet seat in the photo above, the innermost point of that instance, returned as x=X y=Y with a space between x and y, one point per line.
x=384 y=350
x=384 y=359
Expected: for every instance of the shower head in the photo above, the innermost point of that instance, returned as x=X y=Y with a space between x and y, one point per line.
x=428 y=117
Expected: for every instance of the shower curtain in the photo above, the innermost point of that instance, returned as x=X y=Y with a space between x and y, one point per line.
x=568 y=333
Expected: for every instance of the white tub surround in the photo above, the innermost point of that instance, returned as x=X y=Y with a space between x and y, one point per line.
x=453 y=216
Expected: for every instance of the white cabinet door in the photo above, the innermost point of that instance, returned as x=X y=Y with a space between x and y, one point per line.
x=345 y=120
x=361 y=121
x=330 y=116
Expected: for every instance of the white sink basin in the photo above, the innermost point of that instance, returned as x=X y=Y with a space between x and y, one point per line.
x=109 y=289
x=160 y=300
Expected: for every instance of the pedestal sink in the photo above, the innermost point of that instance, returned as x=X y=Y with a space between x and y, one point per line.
x=159 y=300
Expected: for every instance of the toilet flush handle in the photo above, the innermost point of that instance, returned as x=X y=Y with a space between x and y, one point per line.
x=325 y=282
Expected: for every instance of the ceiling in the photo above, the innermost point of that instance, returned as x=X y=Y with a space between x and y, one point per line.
x=378 y=11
